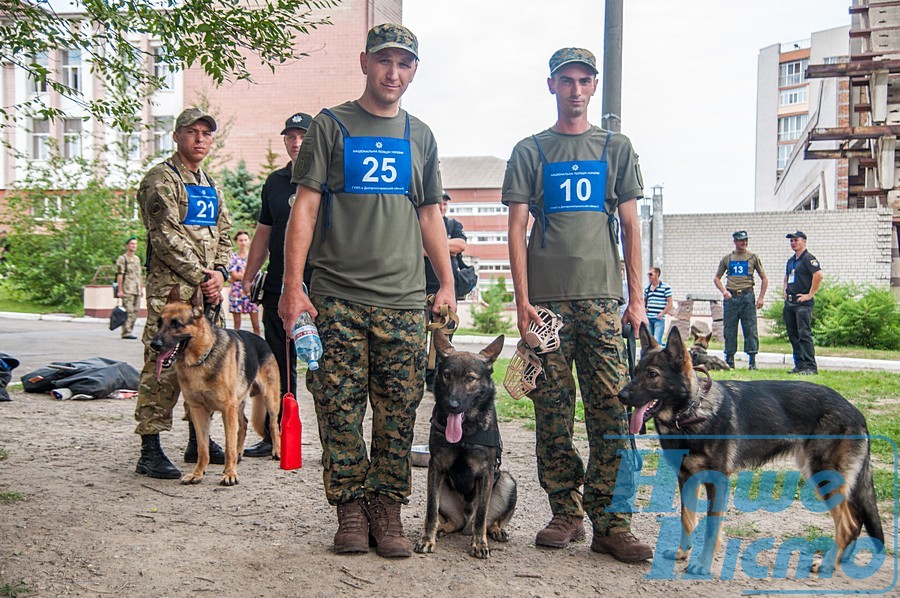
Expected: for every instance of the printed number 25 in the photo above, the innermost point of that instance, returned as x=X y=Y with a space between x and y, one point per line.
x=389 y=173
x=206 y=205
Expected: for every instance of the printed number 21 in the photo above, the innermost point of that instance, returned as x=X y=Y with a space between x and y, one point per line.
x=206 y=205
x=582 y=189
x=389 y=172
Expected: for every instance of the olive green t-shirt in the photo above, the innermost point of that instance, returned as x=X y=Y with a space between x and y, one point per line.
x=372 y=254
x=740 y=282
x=576 y=257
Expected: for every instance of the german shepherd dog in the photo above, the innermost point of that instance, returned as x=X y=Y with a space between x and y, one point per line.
x=699 y=356
x=217 y=370
x=725 y=416
x=466 y=488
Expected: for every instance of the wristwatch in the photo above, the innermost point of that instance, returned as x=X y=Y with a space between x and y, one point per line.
x=224 y=272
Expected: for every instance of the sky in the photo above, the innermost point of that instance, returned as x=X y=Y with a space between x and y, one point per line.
x=688 y=80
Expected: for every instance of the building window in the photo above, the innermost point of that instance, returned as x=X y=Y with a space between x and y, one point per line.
x=792 y=73
x=795 y=95
x=486 y=237
x=130 y=146
x=784 y=154
x=39 y=142
x=162 y=70
x=71 y=69
x=42 y=63
x=790 y=127
x=162 y=134
x=71 y=138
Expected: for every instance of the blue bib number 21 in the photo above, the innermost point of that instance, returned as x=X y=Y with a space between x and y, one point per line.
x=203 y=206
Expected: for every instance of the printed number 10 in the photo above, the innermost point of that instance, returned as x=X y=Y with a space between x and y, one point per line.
x=386 y=167
x=582 y=189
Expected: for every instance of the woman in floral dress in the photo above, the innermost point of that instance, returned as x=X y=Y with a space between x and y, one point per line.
x=238 y=301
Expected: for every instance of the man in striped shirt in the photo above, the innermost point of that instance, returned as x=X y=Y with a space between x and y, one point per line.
x=658 y=301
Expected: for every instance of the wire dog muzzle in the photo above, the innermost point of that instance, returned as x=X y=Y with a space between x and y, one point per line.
x=544 y=338
x=523 y=371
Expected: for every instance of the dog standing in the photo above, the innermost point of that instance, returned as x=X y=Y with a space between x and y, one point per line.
x=727 y=414
x=466 y=488
x=699 y=355
x=217 y=370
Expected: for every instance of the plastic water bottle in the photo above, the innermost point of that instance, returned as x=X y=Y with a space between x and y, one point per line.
x=307 y=341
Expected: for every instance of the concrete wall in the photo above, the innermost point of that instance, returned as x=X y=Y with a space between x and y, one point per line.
x=852 y=246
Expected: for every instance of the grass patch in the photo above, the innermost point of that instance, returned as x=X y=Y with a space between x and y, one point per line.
x=13 y=300
x=771 y=344
x=7 y=498
x=3 y=453
x=742 y=530
x=885 y=484
x=14 y=590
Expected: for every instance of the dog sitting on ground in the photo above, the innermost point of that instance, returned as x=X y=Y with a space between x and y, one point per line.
x=466 y=488
x=812 y=423
x=699 y=355
x=217 y=370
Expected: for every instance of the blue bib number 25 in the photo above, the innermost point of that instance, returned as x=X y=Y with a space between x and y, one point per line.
x=377 y=165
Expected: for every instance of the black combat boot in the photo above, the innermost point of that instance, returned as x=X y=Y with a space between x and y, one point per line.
x=729 y=359
x=263 y=448
x=216 y=454
x=153 y=461
x=752 y=357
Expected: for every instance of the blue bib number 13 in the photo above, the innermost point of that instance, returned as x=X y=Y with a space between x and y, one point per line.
x=203 y=206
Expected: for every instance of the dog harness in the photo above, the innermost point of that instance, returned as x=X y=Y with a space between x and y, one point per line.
x=203 y=202
x=372 y=166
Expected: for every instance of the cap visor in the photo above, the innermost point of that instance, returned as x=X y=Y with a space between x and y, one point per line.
x=386 y=45
x=568 y=62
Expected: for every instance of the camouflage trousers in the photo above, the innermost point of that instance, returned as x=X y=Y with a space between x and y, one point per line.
x=157 y=398
x=371 y=355
x=132 y=305
x=591 y=339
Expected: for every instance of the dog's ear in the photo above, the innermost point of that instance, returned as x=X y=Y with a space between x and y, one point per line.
x=675 y=346
x=709 y=337
x=175 y=294
x=442 y=343
x=647 y=340
x=492 y=351
x=197 y=299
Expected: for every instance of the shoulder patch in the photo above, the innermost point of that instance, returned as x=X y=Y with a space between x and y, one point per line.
x=814 y=263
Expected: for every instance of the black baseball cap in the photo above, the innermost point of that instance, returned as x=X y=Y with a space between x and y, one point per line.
x=445 y=195
x=740 y=235
x=301 y=121
x=796 y=234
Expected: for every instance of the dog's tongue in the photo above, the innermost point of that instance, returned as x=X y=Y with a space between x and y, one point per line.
x=637 y=418
x=454 y=428
x=159 y=362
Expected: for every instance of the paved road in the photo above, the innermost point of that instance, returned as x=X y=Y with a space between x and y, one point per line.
x=38 y=340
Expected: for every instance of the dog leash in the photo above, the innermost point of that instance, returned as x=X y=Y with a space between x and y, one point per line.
x=447 y=321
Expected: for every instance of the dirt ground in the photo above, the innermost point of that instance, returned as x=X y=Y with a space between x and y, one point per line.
x=89 y=526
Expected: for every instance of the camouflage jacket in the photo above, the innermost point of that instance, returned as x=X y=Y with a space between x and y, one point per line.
x=178 y=252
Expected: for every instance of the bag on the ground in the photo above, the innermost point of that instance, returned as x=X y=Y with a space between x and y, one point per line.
x=96 y=377
x=117 y=317
x=7 y=364
x=464 y=277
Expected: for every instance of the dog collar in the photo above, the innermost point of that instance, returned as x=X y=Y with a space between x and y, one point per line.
x=203 y=357
x=681 y=418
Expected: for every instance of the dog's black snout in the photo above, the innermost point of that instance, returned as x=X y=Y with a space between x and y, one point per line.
x=453 y=403
x=624 y=394
x=156 y=345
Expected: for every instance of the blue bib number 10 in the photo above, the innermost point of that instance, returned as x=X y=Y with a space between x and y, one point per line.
x=578 y=186
x=203 y=206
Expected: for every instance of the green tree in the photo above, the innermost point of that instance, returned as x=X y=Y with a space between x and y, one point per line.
x=58 y=239
x=241 y=195
x=220 y=37
x=490 y=319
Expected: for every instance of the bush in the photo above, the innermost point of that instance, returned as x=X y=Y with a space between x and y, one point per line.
x=849 y=315
x=490 y=319
x=242 y=195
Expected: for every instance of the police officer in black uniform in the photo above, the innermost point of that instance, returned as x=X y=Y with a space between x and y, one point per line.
x=802 y=278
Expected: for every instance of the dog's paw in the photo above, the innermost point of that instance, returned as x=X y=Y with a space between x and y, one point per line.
x=229 y=480
x=425 y=546
x=479 y=550
x=192 y=478
x=499 y=534
x=697 y=570
x=675 y=555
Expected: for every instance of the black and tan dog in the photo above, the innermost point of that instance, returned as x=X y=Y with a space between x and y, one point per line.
x=812 y=423
x=217 y=370
x=466 y=488
x=699 y=355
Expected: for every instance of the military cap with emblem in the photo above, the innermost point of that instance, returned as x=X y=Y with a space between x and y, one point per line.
x=301 y=121
x=565 y=56
x=391 y=35
x=796 y=235
x=192 y=115
x=740 y=235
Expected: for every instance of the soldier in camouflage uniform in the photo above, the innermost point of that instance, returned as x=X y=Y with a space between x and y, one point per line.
x=575 y=177
x=187 y=244
x=128 y=277
x=368 y=201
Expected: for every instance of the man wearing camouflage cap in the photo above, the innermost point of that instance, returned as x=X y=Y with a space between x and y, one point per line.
x=187 y=244
x=278 y=195
x=575 y=177
x=368 y=202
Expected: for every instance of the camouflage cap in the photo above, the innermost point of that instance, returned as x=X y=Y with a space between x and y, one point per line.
x=192 y=115
x=391 y=35
x=566 y=56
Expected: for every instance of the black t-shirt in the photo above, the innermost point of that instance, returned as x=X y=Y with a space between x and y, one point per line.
x=454 y=231
x=277 y=198
x=803 y=268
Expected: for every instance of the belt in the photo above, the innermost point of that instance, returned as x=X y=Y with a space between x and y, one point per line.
x=794 y=298
x=739 y=292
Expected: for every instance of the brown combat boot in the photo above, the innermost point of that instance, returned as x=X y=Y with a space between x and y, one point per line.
x=386 y=529
x=561 y=530
x=623 y=546
x=353 y=528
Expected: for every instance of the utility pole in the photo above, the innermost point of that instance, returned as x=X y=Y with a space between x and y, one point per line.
x=612 y=67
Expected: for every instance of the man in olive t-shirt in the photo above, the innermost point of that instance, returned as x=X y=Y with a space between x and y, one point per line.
x=368 y=194
x=576 y=178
